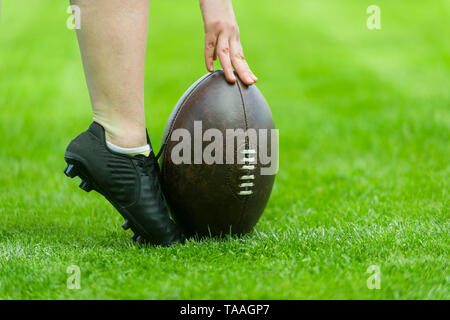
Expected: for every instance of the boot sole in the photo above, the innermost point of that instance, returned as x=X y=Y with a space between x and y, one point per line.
x=75 y=168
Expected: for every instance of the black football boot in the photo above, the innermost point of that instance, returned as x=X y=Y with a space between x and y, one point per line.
x=130 y=183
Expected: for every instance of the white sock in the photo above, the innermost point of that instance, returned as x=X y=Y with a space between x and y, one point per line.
x=145 y=150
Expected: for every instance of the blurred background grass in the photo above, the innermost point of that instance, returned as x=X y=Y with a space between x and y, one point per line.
x=364 y=119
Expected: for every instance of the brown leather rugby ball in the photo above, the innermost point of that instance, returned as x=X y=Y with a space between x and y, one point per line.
x=214 y=122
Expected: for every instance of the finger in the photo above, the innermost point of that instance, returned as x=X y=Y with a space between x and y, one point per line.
x=255 y=78
x=215 y=53
x=240 y=65
x=223 y=51
x=210 y=51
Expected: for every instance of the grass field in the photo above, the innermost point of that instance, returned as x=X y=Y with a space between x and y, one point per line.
x=364 y=119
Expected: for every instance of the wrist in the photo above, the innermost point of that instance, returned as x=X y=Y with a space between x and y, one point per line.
x=213 y=5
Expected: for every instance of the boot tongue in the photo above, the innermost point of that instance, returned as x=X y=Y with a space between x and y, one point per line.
x=149 y=159
x=140 y=156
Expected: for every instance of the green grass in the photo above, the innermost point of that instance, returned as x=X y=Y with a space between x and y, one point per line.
x=364 y=119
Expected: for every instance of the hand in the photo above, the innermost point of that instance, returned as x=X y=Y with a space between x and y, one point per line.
x=222 y=40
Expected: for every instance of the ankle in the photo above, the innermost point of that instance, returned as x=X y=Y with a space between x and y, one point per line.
x=131 y=136
x=127 y=139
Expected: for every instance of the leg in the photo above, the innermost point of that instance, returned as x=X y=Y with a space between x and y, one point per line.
x=113 y=40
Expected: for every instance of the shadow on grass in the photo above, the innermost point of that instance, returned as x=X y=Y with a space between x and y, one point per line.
x=55 y=234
